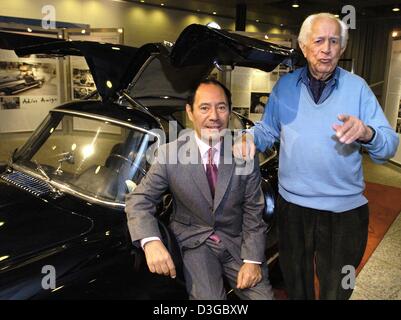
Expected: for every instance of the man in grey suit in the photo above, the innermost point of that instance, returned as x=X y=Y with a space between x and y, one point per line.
x=217 y=213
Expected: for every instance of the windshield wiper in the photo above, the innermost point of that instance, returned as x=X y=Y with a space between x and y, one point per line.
x=46 y=176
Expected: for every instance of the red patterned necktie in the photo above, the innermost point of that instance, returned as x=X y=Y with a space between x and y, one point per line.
x=211 y=171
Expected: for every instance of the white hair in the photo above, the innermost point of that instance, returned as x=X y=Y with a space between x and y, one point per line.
x=306 y=28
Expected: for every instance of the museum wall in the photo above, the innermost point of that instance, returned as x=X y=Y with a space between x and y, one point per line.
x=141 y=23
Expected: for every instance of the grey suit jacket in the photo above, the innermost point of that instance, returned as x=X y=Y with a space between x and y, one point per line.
x=235 y=214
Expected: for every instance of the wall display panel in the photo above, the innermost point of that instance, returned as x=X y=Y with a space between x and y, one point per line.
x=82 y=83
x=393 y=94
x=251 y=87
x=29 y=88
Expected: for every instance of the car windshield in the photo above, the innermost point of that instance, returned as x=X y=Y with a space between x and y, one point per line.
x=94 y=157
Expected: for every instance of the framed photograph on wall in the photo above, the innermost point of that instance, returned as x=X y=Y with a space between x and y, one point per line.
x=29 y=88
x=258 y=101
x=81 y=79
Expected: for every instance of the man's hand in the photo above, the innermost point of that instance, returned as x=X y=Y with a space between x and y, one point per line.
x=249 y=275
x=353 y=129
x=244 y=147
x=158 y=259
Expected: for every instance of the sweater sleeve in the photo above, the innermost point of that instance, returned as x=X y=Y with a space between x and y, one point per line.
x=267 y=131
x=385 y=142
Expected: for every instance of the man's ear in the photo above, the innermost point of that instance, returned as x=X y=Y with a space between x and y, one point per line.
x=189 y=112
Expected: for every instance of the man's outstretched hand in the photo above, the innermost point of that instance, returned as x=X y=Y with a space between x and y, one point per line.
x=352 y=129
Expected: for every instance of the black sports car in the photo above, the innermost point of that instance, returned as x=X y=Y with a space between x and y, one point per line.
x=63 y=231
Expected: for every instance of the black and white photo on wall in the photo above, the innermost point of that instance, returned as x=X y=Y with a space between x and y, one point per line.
x=26 y=78
x=29 y=88
x=9 y=103
x=82 y=83
x=258 y=101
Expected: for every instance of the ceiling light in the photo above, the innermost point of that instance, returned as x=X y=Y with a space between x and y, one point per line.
x=295 y=4
x=281 y=25
x=396 y=8
x=214 y=12
x=142 y=1
x=394 y=34
x=266 y=36
x=29 y=29
x=162 y=4
x=120 y=30
x=83 y=31
x=257 y=20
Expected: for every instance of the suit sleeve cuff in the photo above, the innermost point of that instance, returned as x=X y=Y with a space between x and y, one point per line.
x=251 y=261
x=148 y=239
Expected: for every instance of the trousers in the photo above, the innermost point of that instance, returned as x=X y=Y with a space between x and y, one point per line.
x=204 y=269
x=323 y=243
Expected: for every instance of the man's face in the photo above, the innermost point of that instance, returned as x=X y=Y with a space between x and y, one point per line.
x=322 y=49
x=210 y=113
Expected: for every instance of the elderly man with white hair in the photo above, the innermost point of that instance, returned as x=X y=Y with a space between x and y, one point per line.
x=322 y=115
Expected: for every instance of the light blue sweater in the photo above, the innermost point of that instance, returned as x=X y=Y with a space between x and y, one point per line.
x=315 y=169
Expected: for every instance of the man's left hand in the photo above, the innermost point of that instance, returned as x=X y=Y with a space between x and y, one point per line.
x=352 y=129
x=249 y=275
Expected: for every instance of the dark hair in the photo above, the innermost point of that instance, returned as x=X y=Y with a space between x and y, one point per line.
x=191 y=97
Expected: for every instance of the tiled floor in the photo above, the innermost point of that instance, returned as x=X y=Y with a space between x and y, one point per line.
x=380 y=278
x=387 y=174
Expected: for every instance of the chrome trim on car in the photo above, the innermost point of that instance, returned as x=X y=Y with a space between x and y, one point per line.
x=64 y=188
x=97 y=117
x=272 y=156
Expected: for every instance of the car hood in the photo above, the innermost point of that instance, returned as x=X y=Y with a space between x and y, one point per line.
x=199 y=44
x=158 y=69
x=29 y=224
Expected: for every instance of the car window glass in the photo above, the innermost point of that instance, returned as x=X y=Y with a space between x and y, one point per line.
x=97 y=158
